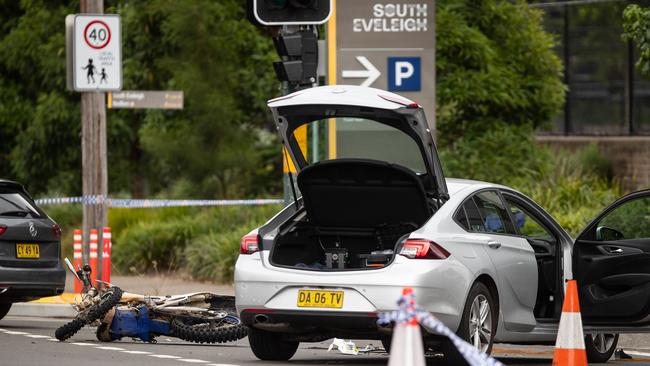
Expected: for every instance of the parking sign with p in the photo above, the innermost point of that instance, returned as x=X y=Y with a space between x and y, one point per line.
x=404 y=74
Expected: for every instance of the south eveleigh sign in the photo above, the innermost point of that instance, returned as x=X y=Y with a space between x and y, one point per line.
x=388 y=44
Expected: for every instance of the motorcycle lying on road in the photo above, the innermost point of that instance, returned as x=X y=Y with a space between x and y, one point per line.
x=201 y=317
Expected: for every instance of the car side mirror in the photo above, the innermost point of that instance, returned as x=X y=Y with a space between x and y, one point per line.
x=604 y=233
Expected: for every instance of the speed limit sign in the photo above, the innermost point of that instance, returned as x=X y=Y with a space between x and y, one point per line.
x=97 y=34
x=97 y=53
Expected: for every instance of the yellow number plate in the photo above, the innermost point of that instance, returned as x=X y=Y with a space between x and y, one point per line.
x=320 y=299
x=28 y=251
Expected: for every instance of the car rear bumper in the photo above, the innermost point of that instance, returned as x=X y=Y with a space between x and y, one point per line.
x=271 y=292
x=25 y=284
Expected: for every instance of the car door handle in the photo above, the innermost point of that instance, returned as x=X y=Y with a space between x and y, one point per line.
x=613 y=250
x=494 y=244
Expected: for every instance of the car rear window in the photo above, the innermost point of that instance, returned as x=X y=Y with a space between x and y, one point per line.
x=363 y=138
x=15 y=204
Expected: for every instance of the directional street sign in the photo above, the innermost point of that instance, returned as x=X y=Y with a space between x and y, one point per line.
x=388 y=44
x=97 y=53
x=140 y=99
x=385 y=44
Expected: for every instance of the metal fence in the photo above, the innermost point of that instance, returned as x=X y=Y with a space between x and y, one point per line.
x=607 y=95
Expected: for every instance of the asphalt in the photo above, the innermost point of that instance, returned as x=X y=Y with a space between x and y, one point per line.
x=29 y=341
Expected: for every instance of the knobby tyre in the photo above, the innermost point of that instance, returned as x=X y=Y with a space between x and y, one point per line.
x=108 y=299
x=201 y=330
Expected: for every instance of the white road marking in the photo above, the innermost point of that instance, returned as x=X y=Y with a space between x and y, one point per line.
x=638 y=354
x=164 y=356
x=110 y=348
x=107 y=348
x=83 y=344
x=193 y=360
x=138 y=352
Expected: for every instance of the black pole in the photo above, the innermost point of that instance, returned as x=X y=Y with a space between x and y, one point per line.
x=568 y=128
x=629 y=89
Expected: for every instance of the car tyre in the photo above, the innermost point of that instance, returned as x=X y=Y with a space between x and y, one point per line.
x=269 y=346
x=600 y=347
x=474 y=325
x=4 y=309
x=385 y=341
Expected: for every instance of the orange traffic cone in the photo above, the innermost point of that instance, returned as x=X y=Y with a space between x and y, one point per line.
x=570 y=344
x=406 y=345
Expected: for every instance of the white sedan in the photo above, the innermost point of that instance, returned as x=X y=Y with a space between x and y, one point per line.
x=483 y=258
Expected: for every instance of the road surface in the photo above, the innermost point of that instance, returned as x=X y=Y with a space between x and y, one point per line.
x=30 y=341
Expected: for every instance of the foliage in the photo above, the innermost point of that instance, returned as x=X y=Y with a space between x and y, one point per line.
x=494 y=64
x=572 y=187
x=636 y=28
x=203 y=242
x=205 y=48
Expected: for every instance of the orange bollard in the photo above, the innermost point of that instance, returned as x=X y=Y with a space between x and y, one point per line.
x=76 y=257
x=570 y=344
x=106 y=255
x=93 y=254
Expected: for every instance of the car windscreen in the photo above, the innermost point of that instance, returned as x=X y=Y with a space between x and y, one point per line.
x=15 y=204
x=360 y=138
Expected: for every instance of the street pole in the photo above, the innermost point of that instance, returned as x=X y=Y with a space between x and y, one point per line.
x=93 y=152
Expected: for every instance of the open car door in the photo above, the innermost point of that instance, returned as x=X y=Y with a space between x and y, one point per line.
x=611 y=262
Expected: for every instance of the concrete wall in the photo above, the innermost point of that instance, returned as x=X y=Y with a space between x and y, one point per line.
x=630 y=155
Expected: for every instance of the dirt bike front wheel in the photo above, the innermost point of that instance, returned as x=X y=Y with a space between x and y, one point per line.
x=107 y=300
x=206 y=330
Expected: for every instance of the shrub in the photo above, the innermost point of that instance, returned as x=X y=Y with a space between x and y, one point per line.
x=213 y=256
x=572 y=187
x=203 y=241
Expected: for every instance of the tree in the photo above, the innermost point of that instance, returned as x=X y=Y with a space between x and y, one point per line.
x=495 y=64
x=636 y=28
x=206 y=48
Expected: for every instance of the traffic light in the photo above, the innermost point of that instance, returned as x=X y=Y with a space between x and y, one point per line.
x=288 y=12
x=299 y=52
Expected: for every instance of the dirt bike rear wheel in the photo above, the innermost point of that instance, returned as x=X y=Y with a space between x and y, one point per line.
x=108 y=299
x=202 y=330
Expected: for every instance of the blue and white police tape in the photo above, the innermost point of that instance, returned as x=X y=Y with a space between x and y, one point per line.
x=408 y=310
x=150 y=203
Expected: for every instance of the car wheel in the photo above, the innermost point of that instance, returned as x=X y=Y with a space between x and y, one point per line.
x=477 y=325
x=600 y=346
x=268 y=346
x=4 y=309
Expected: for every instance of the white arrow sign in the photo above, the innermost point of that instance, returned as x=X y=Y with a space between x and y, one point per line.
x=370 y=73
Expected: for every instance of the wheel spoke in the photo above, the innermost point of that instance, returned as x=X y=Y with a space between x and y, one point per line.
x=486 y=334
x=485 y=311
x=603 y=347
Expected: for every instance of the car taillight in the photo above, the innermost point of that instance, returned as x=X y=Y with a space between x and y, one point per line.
x=423 y=249
x=3 y=228
x=250 y=244
x=56 y=229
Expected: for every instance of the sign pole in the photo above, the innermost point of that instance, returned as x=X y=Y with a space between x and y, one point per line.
x=93 y=152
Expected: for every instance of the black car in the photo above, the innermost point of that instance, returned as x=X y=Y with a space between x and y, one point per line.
x=30 y=249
